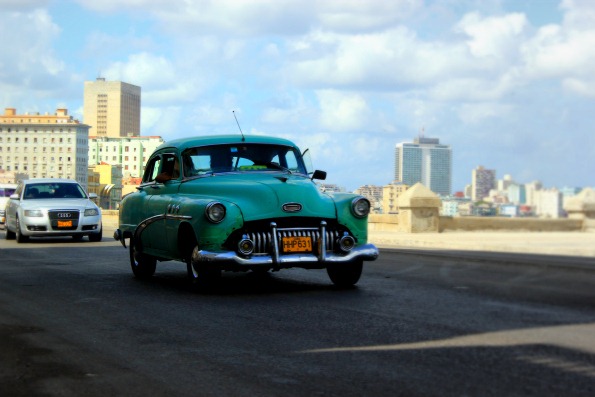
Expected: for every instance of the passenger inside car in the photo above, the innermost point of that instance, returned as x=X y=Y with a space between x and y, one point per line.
x=170 y=170
x=32 y=193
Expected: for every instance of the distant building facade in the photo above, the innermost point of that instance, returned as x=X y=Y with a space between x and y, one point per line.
x=106 y=181
x=112 y=108
x=44 y=146
x=426 y=161
x=549 y=203
x=130 y=152
x=330 y=187
x=390 y=197
x=482 y=181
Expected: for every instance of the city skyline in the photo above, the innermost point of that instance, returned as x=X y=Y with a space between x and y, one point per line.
x=507 y=84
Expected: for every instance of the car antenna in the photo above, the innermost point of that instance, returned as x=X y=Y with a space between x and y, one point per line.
x=234 y=116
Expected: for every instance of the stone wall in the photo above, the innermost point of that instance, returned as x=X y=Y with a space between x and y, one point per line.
x=390 y=223
x=476 y=223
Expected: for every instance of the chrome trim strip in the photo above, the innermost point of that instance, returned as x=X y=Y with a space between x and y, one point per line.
x=144 y=224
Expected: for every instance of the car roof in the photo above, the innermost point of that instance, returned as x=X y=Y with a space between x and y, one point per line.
x=184 y=143
x=48 y=180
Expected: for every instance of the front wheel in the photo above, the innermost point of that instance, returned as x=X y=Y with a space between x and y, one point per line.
x=345 y=274
x=19 y=236
x=200 y=273
x=9 y=235
x=143 y=265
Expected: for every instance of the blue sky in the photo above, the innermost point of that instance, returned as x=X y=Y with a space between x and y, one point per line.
x=509 y=84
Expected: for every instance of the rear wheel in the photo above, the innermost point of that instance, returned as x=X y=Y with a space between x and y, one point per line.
x=19 y=236
x=345 y=274
x=200 y=273
x=143 y=265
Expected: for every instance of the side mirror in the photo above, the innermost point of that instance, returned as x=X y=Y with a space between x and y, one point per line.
x=14 y=196
x=319 y=175
x=92 y=196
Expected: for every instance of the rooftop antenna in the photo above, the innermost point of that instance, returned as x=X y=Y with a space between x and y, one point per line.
x=234 y=116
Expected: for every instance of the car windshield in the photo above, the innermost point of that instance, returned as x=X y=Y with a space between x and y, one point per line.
x=241 y=158
x=6 y=191
x=36 y=191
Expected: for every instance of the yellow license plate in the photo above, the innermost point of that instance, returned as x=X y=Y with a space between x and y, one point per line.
x=64 y=223
x=297 y=244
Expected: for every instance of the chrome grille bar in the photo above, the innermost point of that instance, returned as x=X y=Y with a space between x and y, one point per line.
x=264 y=240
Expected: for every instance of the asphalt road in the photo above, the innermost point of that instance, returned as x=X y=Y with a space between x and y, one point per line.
x=74 y=322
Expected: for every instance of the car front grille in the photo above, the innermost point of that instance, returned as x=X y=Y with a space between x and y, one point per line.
x=64 y=219
x=261 y=234
x=263 y=240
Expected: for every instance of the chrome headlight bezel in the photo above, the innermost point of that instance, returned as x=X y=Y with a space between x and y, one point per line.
x=360 y=207
x=91 y=212
x=215 y=212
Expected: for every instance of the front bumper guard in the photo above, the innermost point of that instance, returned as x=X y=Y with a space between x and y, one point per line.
x=366 y=252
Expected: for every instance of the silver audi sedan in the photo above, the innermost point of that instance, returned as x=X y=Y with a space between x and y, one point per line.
x=52 y=207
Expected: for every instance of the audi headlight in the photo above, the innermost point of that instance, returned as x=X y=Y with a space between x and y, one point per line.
x=215 y=212
x=33 y=213
x=360 y=207
x=91 y=212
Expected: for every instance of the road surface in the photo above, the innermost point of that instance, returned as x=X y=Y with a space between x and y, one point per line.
x=74 y=322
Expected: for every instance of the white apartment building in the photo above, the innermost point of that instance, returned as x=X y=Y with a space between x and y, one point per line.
x=44 y=146
x=131 y=152
x=548 y=203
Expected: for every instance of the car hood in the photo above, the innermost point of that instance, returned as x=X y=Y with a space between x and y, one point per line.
x=57 y=204
x=262 y=196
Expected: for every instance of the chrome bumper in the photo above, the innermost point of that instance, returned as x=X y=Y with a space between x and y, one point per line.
x=367 y=252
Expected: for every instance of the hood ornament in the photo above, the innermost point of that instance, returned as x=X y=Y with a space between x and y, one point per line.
x=292 y=207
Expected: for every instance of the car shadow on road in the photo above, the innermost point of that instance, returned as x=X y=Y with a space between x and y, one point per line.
x=289 y=281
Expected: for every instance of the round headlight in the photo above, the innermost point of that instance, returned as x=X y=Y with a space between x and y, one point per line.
x=215 y=212
x=360 y=207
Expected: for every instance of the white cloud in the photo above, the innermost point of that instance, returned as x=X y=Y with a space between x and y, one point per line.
x=341 y=111
x=264 y=17
x=161 y=80
x=477 y=113
x=493 y=37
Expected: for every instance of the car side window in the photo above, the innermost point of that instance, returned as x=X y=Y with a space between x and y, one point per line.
x=152 y=169
x=170 y=168
x=19 y=189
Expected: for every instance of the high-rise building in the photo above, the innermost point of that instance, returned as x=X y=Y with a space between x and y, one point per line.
x=130 y=152
x=44 y=146
x=112 y=108
x=426 y=161
x=482 y=181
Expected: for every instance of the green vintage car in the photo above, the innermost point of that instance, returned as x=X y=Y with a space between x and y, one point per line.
x=234 y=203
